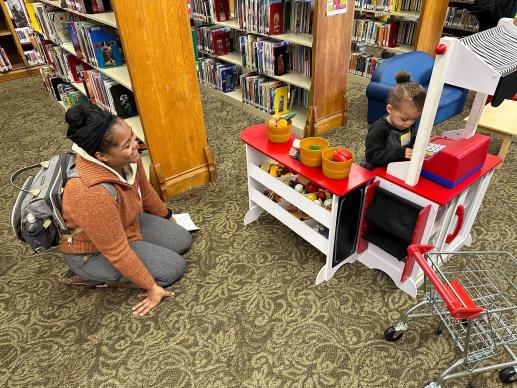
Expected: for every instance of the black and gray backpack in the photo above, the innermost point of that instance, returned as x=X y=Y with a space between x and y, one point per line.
x=36 y=217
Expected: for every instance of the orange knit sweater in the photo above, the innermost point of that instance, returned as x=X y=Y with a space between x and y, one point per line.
x=108 y=224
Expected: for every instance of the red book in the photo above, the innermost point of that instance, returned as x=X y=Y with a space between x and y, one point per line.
x=394 y=33
x=276 y=18
x=222 y=10
x=76 y=67
x=219 y=42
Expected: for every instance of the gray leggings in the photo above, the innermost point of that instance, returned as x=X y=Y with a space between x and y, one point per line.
x=160 y=251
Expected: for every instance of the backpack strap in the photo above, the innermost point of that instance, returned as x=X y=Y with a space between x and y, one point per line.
x=111 y=189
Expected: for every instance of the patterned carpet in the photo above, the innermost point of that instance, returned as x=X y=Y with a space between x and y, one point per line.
x=246 y=314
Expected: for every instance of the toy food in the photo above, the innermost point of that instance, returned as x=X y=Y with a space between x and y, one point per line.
x=273 y=170
x=299 y=187
x=327 y=203
x=312 y=196
x=321 y=195
x=338 y=157
x=281 y=123
x=275 y=117
x=346 y=153
x=271 y=122
x=315 y=147
x=311 y=187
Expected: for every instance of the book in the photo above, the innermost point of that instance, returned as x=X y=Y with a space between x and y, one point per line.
x=219 y=42
x=280 y=98
x=184 y=220
x=222 y=10
x=276 y=18
x=123 y=101
x=106 y=46
x=281 y=60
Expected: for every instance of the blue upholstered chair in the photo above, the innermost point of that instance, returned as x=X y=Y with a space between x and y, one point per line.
x=420 y=66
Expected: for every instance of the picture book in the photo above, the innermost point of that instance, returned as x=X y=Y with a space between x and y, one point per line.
x=106 y=46
x=227 y=81
x=57 y=22
x=222 y=10
x=276 y=18
x=123 y=101
x=76 y=67
x=280 y=98
x=219 y=42
x=281 y=60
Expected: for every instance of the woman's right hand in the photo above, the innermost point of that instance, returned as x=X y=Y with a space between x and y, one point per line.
x=153 y=297
x=408 y=153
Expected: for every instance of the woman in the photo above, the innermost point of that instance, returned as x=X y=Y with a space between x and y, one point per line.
x=127 y=235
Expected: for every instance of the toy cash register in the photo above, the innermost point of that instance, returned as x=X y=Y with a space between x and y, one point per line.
x=449 y=162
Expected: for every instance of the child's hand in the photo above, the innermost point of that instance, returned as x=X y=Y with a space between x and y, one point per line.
x=408 y=153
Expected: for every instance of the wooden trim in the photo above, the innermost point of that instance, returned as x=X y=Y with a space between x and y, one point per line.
x=13 y=33
x=160 y=57
x=432 y=20
x=332 y=37
x=15 y=74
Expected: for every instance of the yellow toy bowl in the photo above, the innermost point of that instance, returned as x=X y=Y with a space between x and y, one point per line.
x=332 y=169
x=279 y=134
x=312 y=158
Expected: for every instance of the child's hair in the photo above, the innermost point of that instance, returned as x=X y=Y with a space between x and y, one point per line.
x=406 y=91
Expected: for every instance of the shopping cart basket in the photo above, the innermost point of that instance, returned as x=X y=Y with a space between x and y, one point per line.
x=475 y=296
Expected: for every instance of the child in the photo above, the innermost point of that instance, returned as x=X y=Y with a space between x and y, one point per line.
x=391 y=138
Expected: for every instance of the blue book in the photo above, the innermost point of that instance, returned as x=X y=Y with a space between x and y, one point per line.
x=106 y=46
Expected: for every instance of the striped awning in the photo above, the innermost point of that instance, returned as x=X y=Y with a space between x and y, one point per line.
x=496 y=47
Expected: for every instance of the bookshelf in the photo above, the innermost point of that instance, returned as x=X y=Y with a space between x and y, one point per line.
x=13 y=48
x=326 y=88
x=171 y=125
x=458 y=20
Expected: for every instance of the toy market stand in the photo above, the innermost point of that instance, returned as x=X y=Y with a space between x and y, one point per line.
x=443 y=217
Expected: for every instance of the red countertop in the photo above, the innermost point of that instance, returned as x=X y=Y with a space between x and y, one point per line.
x=256 y=137
x=438 y=193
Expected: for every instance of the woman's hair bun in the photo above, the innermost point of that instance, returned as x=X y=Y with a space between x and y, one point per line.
x=76 y=116
x=402 y=76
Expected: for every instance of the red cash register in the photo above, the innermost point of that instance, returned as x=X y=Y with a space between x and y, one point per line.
x=451 y=161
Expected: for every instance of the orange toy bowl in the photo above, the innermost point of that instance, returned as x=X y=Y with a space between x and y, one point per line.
x=332 y=169
x=312 y=158
x=279 y=134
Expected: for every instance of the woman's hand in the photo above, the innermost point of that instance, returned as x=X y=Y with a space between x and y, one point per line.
x=153 y=297
x=172 y=219
x=408 y=152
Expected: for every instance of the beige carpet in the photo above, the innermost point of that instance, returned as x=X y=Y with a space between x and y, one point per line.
x=246 y=314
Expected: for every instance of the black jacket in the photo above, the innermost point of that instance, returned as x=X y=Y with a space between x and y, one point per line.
x=385 y=145
x=488 y=12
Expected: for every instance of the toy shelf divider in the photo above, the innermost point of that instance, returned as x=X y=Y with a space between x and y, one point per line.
x=316 y=211
x=299 y=227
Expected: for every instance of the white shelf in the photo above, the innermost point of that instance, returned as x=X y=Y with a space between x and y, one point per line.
x=293 y=77
x=296 y=38
x=107 y=18
x=235 y=98
x=146 y=161
x=135 y=123
x=408 y=15
x=119 y=74
x=402 y=48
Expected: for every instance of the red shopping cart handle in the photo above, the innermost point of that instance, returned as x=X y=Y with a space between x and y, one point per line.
x=457 y=300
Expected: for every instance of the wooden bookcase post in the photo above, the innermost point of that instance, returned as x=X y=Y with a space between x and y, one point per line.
x=332 y=36
x=160 y=57
x=430 y=28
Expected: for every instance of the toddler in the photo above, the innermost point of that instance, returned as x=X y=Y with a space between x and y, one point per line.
x=391 y=138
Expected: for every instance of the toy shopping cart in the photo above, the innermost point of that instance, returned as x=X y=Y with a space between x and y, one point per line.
x=475 y=296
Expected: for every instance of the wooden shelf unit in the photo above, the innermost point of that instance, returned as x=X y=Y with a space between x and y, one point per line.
x=327 y=86
x=179 y=157
x=10 y=43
